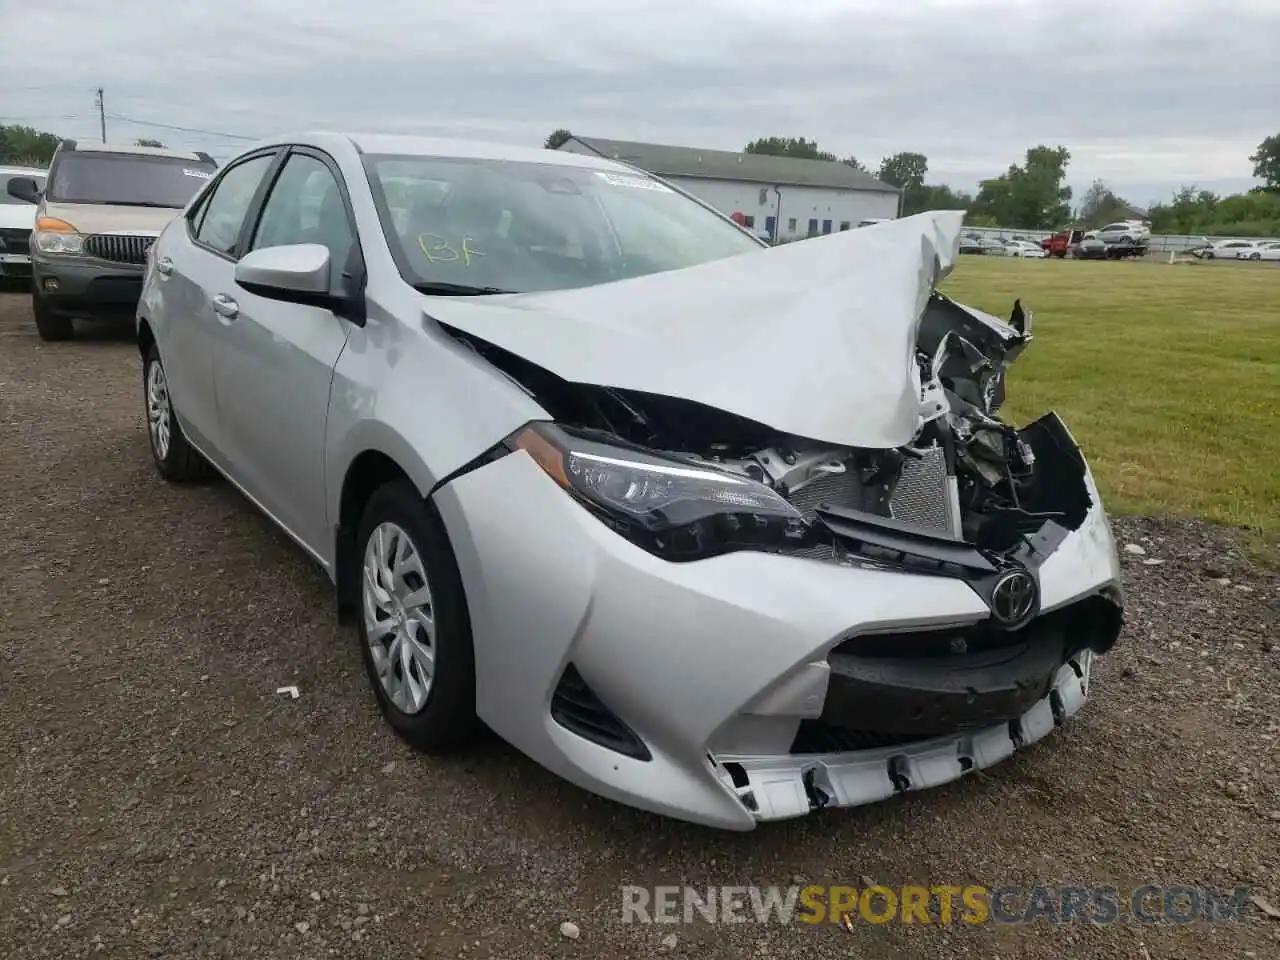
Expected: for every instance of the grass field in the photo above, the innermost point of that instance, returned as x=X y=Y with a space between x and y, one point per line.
x=1168 y=376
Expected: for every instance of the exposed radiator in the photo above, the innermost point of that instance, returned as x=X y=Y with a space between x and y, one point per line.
x=923 y=494
x=839 y=490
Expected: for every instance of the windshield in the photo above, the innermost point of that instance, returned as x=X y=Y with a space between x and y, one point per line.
x=5 y=198
x=126 y=179
x=490 y=225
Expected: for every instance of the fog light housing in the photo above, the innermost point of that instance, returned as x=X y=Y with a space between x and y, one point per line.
x=51 y=283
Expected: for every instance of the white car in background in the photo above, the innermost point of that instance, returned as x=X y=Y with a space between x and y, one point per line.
x=1262 y=250
x=17 y=220
x=1123 y=231
x=1025 y=248
x=1228 y=249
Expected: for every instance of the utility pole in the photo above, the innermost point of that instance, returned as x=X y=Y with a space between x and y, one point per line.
x=102 y=116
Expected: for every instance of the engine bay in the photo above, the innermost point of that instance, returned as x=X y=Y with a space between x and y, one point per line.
x=967 y=475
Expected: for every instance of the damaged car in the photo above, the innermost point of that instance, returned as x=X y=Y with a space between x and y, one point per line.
x=726 y=532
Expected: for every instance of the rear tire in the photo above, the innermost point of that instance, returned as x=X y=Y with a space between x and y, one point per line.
x=49 y=325
x=176 y=459
x=414 y=628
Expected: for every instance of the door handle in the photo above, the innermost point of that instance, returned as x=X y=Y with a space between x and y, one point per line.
x=225 y=307
x=165 y=266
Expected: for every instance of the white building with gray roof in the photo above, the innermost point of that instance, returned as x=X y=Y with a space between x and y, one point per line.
x=784 y=197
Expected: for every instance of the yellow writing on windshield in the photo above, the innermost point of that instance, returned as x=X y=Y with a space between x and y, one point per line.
x=437 y=249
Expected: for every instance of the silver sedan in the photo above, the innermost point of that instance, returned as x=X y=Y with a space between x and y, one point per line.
x=723 y=531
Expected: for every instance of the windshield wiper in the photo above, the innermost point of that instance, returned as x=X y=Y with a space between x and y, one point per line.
x=440 y=289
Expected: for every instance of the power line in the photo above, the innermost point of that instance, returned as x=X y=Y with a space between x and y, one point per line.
x=175 y=127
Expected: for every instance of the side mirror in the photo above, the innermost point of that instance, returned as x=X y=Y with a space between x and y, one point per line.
x=25 y=189
x=298 y=273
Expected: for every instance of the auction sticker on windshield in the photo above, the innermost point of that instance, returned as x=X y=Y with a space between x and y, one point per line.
x=201 y=174
x=638 y=183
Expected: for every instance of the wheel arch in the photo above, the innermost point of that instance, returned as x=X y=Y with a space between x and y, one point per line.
x=370 y=469
x=146 y=337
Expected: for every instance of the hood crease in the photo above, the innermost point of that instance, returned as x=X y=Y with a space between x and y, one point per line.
x=815 y=338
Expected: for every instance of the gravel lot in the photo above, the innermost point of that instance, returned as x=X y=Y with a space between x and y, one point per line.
x=159 y=799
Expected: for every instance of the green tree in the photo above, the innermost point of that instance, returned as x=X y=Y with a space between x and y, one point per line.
x=27 y=145
x=1266 y=161
x=788 y=147
x=1100 y=205
x=147 y=142
x=1032 y=196
x=936 y=197
x=556 y=139
x=853 y=162
x=905 y=170
x=1203 y=213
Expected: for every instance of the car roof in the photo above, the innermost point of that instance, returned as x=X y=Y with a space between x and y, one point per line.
x=382 y=143
x=138 y=151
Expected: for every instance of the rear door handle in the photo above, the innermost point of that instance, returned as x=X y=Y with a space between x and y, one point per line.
x=165 y=266
x=225 y=307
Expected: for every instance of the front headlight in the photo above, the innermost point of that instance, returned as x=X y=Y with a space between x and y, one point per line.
x=58 y=238
x=676 y=510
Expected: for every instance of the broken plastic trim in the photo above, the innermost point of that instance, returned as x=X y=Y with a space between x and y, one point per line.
x=784 y=786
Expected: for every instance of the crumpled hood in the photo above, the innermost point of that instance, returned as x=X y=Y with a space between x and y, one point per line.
x=815 y=338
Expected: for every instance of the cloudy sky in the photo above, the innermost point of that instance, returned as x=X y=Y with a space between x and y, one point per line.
x=1147 y=94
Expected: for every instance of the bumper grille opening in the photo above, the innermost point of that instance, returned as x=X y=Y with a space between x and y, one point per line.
x=576 y=707
x=815 y=736
x=1093 y=622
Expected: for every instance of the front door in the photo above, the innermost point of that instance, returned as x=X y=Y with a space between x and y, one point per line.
x=275 y=360
x=192 y=264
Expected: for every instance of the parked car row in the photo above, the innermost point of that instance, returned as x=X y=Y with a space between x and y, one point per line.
x=438 y=367
x=1237 y=250
x=973 y=243
x=89 y=223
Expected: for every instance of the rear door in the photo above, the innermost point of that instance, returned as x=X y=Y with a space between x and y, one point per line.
x=274 y=362
x=195 y=260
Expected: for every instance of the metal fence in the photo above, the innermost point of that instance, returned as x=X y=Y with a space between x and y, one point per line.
x=1158 y=244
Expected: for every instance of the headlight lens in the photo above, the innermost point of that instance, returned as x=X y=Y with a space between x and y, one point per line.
x=61 y=244
x=676 y=510
x=59 y=238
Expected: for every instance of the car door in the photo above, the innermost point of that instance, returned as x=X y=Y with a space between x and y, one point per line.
x=274 y=361
x=193 y=262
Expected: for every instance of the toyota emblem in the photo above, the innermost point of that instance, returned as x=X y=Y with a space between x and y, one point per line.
x=1013 y=599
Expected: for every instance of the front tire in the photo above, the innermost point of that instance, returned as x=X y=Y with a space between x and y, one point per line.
x=49 y=325
x=415 y=632
x=175 y=458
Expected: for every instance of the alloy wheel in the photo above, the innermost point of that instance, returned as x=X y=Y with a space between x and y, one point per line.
x=159 y=410
x=399 y=620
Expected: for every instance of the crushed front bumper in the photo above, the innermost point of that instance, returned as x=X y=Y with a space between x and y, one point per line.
x=791 y=785
x=693 y=684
